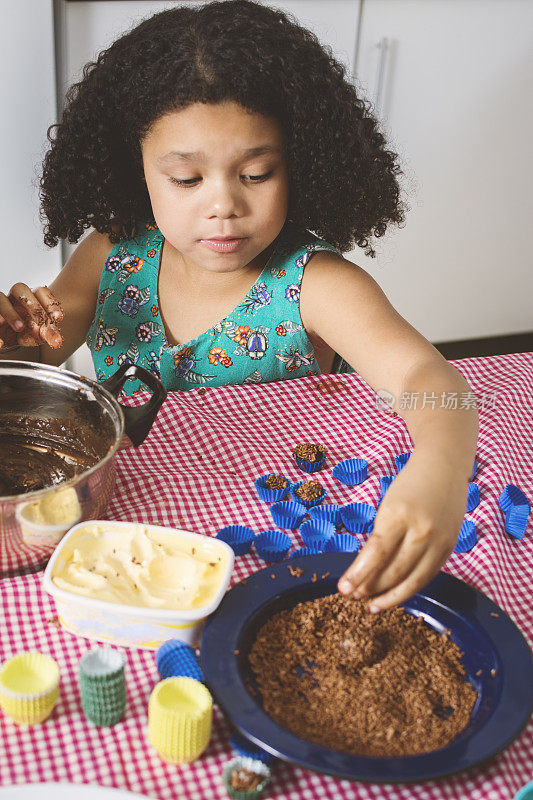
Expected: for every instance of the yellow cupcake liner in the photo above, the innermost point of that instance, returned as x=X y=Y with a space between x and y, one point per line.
x=180 y=714
x=29 y=687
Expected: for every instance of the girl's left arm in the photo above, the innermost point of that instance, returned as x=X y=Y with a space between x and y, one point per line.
x=419 y=518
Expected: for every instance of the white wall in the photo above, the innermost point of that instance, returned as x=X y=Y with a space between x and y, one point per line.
x=28 y=107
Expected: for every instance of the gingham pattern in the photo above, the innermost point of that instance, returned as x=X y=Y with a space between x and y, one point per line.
x=196 y=470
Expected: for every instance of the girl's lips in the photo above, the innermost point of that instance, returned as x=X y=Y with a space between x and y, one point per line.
x=222 y=245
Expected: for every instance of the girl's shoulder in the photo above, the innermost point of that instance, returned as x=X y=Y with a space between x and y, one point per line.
x=138 y=249
x=300 y=244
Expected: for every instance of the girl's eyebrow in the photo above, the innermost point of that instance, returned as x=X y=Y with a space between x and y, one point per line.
x=197 y=155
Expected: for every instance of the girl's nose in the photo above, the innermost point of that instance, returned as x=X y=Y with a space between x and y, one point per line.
x=224 y=201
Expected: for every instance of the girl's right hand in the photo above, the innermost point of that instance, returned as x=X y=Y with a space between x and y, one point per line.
x=28 y=318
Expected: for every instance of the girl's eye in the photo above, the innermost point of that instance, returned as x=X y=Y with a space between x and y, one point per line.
x=258 y=178
x=179 y=182
x=192 y=181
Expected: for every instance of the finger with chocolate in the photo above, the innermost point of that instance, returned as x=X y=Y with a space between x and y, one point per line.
x=28 y=318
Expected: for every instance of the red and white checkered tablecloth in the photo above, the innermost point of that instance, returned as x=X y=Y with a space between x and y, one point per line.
x=196 y=471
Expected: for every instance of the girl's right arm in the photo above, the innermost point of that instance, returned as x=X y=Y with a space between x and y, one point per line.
x=55 y=320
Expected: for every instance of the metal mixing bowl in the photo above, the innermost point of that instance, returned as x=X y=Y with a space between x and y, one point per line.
x=52 y=394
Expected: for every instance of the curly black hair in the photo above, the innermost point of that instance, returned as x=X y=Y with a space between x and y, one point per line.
x=343 y=181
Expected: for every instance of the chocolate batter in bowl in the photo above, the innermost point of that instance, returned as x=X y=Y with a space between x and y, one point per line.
x=59 y=434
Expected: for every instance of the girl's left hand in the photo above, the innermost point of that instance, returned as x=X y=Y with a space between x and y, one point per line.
x=415 y=530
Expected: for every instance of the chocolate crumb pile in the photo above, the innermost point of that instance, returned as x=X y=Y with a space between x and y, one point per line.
x=275 y=482
x=310 y=452
x=244 y=780
x=310 y=490
x=380 y=684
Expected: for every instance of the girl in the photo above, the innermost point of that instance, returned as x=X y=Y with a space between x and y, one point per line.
x=203 y=147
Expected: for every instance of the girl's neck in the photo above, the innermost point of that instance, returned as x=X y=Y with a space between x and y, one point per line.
x=200 y=281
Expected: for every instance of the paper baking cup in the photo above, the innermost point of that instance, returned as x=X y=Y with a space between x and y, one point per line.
x=251 y=765
x=288 y=514
x=29 y=687
x=342 y=543
x=238 y=537
x=330 y=512
x=516 y=521
x=473 y=497
x=401 y=460
x=310 y=466
x=272 y=545
x=102 y=686
x=474 y=469
x=102 y=666
x=384 y=484
x=247 y=749
x=358 y=517
x=180 y=713
x=312 y=550
x=512 y=496
x=307 y=503
x=316 y=532
x=467 y=537
x=271 y=495
x=516 y=508
x=175 y=659
x=351 y=472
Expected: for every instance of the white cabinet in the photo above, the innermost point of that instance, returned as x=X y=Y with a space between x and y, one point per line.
x=457 y=102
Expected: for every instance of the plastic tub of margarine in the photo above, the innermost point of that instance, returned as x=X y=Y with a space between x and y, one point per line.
x=137 y=585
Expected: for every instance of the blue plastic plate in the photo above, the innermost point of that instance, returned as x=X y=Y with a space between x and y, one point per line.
x=489 y=642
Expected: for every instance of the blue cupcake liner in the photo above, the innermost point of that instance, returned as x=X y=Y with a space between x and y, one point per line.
x=351 y=471
x=330 y=512
x=175 y=659
x=306 y=551
x=271 y=495
x=310 y=466
x=342 y=543
x=513 y=496
x=247 y=749
x=384 y=484
x=272 y=545
x=473 y=497
x=516 y=521
x=358 y=517
x=288 y=514
x=307 y=503
x=467 y=537
x=401 y=460
x=239 y=538
x=316 y=532
x=516 y=508
x=474 y=470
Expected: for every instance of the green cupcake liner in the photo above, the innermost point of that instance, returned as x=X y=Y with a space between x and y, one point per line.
x=101 y=665
x=115 y=678
x=104 y=714
x=249 y=764
x=103 y=702
x=102 y=690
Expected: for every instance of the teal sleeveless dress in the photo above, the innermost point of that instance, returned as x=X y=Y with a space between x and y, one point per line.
x=261 y=340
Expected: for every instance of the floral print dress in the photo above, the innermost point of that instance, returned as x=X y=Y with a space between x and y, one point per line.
x=261 y=340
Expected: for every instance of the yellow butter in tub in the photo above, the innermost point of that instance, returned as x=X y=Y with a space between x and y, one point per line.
x=140 y=566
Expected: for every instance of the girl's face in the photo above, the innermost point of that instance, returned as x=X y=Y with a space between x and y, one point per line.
x=217 y=171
